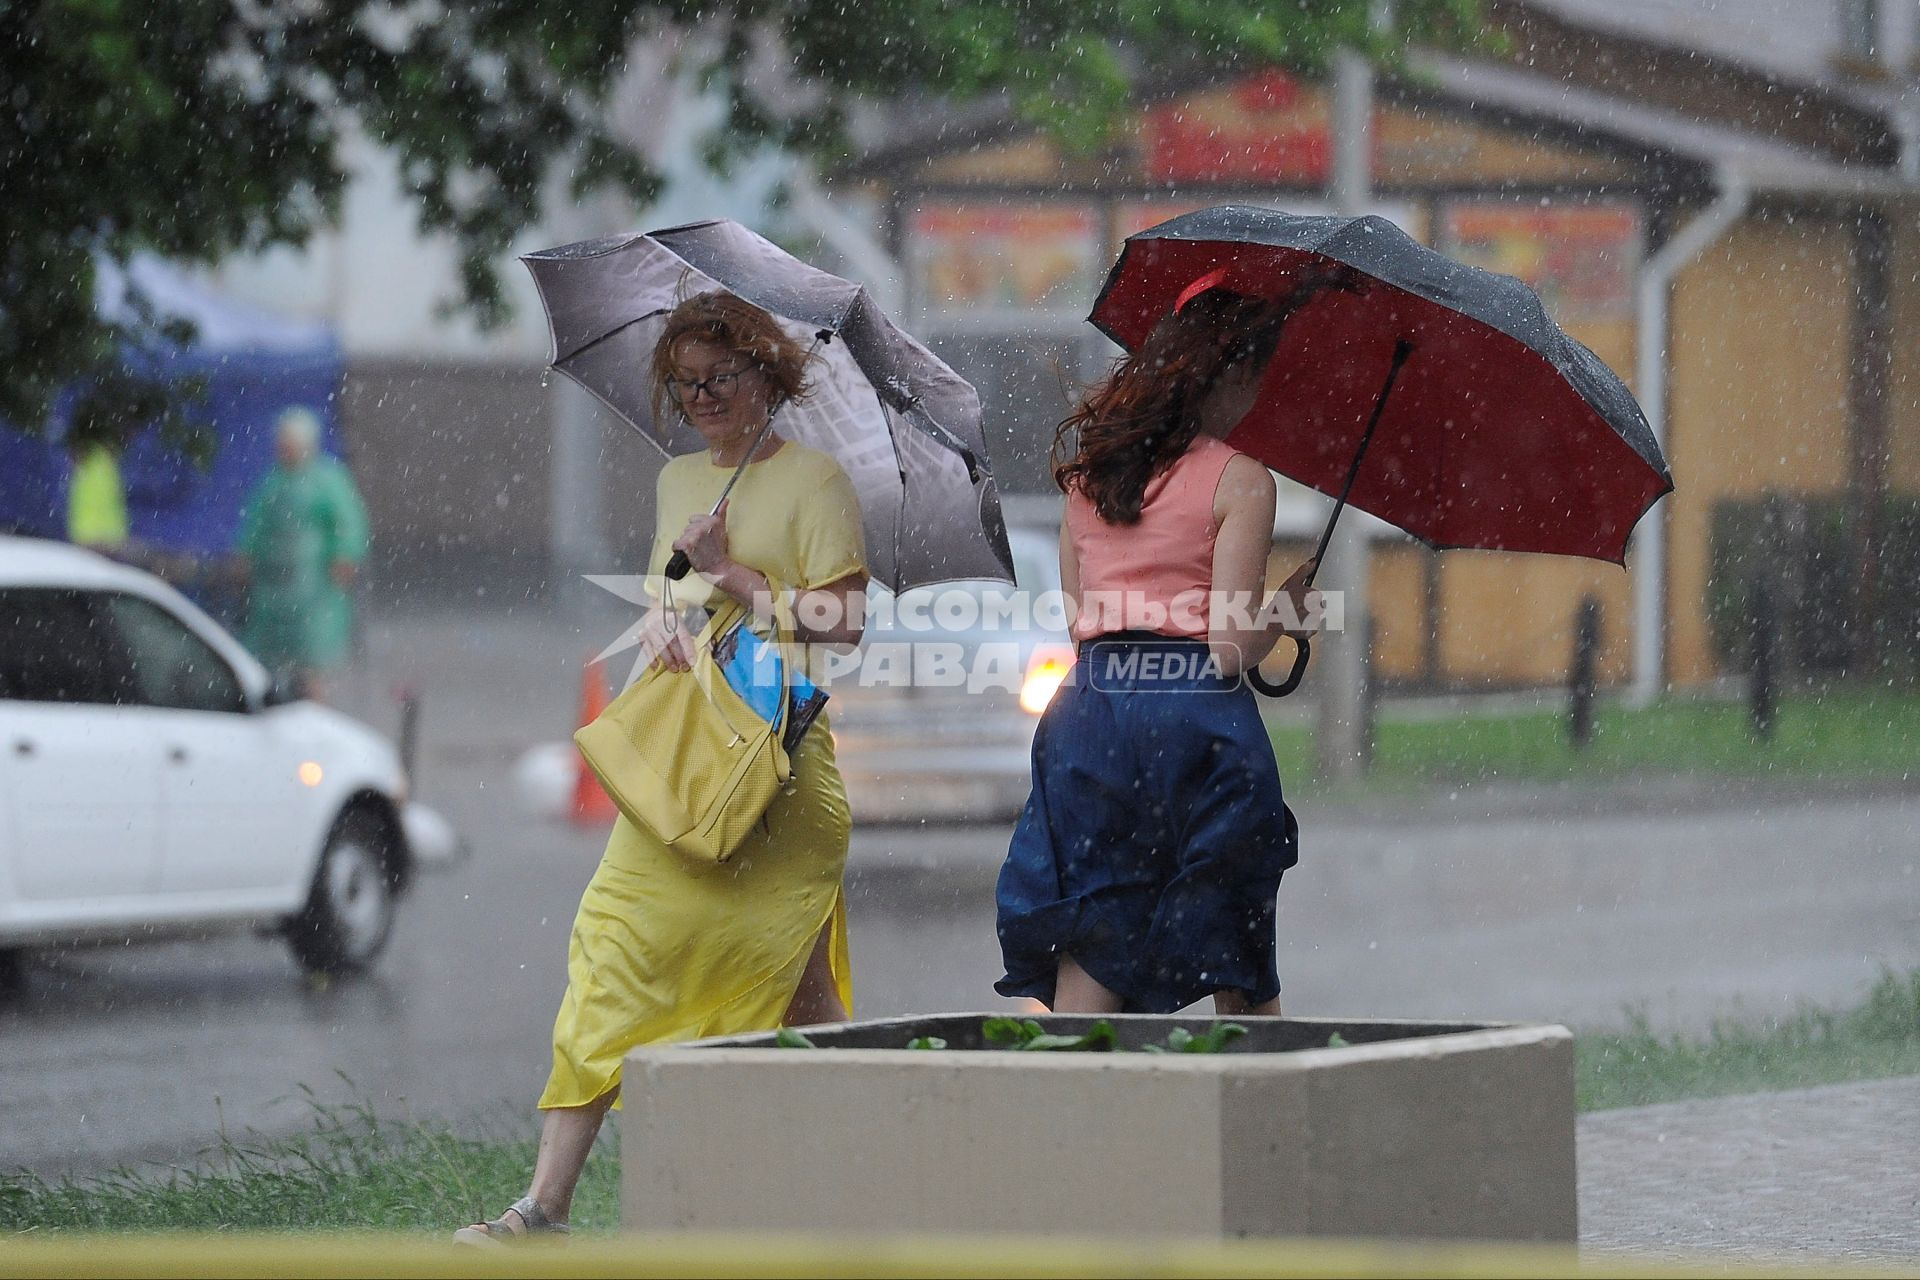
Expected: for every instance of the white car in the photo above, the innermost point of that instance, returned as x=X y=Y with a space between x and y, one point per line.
x=155 y=781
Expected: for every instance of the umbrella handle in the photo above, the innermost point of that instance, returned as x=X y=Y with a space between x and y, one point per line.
x=1294 y=676
x=678 y=566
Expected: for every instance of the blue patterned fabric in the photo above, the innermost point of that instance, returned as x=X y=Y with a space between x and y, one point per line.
x=753 y=667
x=1152 y=845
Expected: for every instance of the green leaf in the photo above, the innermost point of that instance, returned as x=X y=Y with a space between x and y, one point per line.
x=1099 y=1038
x=1179 y=1040
x=1337 y=1041
x=926 y=1042
x=1217 y=1038
x=1002 y=1031
x=1049 y=1043
x=788 y=1038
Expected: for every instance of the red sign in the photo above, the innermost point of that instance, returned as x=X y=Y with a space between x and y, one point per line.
x=1268 y=128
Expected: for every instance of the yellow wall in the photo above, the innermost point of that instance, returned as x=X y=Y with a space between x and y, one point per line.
x=1762 y=326
x=1509 y=619
x=1418 y=147
x=1397 y=587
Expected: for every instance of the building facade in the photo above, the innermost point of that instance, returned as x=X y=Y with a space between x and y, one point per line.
x=1740 y=241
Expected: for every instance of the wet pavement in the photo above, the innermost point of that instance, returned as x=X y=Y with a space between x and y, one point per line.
x=1544 y=907
x=1808 y=1176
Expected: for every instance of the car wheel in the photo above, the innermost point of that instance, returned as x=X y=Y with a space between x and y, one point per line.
x=350 y=909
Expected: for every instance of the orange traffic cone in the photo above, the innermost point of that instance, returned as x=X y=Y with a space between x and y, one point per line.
x=591 y=807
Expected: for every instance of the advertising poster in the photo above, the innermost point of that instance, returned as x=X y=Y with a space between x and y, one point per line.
x=987 y=257
x=1581 y=259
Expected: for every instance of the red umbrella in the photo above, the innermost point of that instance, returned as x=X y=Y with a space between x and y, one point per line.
x=1434 y=395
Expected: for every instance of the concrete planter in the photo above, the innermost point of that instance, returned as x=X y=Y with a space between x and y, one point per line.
x=1411 y=1130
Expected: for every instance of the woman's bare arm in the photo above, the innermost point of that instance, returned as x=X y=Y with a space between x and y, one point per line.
x=1241 y=630
x=1243 y=504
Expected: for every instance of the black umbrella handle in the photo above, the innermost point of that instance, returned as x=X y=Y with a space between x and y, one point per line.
x=1283 y=688
x=678 y=566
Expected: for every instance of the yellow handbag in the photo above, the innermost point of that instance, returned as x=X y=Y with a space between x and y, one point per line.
x=697 y=756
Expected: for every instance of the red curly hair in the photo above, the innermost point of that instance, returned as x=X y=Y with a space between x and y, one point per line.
x=737 y=325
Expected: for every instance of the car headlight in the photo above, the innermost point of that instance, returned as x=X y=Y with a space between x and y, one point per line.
x=1045 y=671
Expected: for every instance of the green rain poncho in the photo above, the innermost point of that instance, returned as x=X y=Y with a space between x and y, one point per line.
x=296 y=524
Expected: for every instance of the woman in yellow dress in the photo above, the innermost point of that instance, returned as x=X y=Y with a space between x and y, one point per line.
x=664 y=947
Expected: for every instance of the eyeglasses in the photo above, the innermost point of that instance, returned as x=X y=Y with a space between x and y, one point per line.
x=721 y=386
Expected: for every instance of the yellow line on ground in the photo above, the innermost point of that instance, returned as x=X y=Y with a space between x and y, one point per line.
x=216 y=1257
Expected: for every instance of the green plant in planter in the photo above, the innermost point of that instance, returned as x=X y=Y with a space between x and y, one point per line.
x=1019 y=1033
x=1026 y=1034
x=1214 y=1039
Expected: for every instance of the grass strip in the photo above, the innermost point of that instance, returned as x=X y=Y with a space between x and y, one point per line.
x=351 y=1171
x=1845 y=733
x=1873 y=1040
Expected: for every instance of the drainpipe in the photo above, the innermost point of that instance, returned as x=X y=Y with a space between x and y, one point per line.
x=1655 y=292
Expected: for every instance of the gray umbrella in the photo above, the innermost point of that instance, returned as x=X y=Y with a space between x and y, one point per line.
x=903 y=426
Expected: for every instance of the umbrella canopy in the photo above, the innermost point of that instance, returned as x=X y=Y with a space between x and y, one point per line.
x=1495 y=430
x=903 y=426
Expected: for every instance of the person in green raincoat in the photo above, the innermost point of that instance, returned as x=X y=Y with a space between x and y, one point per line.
x=303 y=535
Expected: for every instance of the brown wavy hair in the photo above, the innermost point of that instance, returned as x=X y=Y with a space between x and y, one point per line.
x=1146 y=413
x=732 y=322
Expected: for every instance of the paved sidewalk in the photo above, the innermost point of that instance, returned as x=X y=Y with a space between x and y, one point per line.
x=1814 y=1174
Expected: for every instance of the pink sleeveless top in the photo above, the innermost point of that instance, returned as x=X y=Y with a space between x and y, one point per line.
x=1155 y=575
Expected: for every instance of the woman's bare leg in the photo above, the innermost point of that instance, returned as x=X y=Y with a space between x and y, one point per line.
x=1075 y=991
x=817 y=1000
x=566 y=1136
x=1234 y=1004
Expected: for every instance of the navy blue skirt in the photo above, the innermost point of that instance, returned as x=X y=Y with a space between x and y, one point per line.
x=1153 y=842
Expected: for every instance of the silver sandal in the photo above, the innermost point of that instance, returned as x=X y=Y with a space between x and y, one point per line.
x=498 y=1234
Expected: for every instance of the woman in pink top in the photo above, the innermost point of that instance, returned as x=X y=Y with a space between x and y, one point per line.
x=1144 y=871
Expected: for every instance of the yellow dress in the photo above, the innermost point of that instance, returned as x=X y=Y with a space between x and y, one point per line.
x=668 y=948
